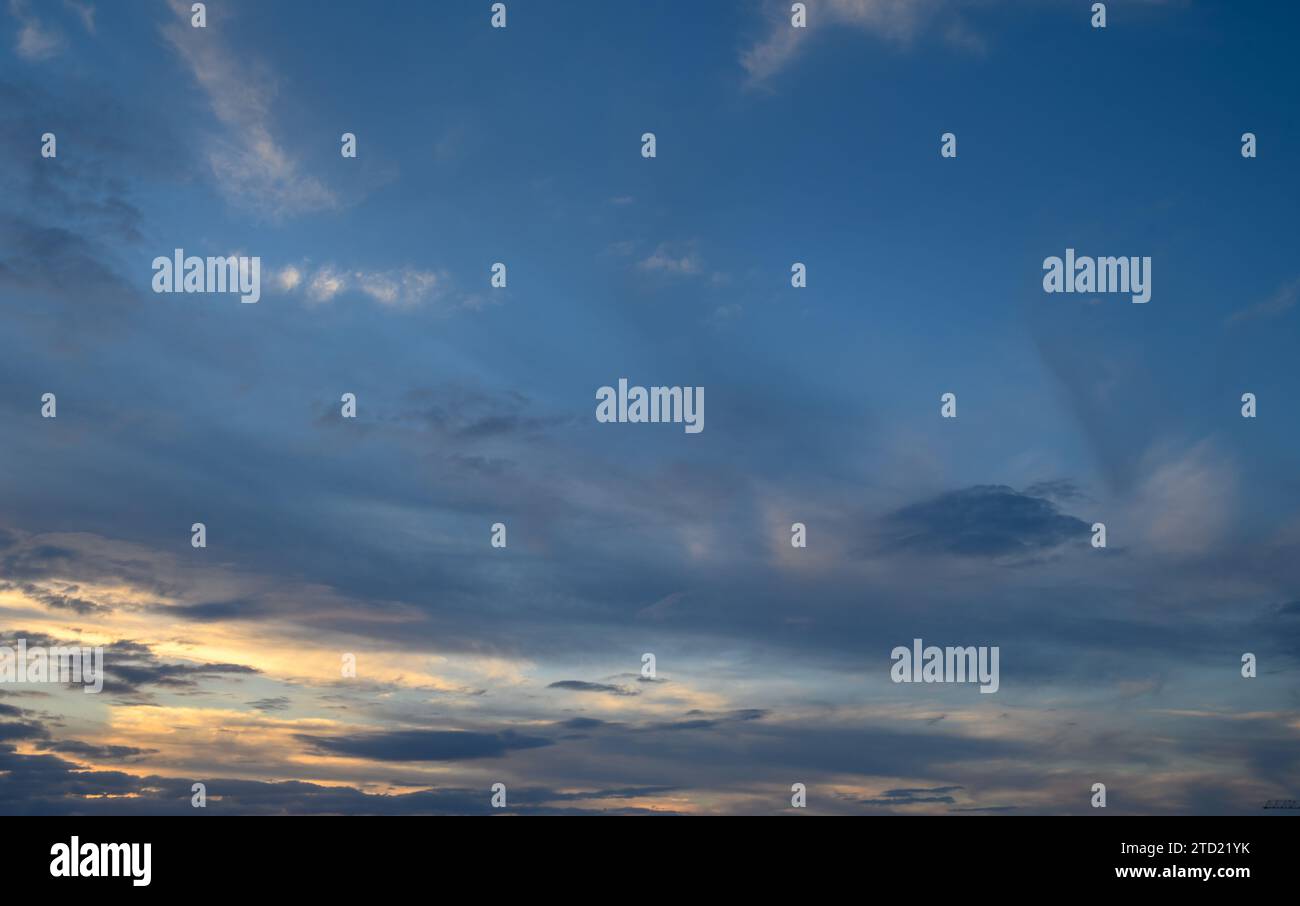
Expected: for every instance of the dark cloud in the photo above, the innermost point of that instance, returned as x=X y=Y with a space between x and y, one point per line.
x=56 y=600
x=48 y=785
x=279 y=703
x=460 y=411
x=21 y=730
x=583 y=723
x=1061 y=490
x=425 y=745
x=914 y=796
x=132 y=678
x=217 y=611
x=698 y=720
x=69 y=219
x=55 y=264
x=132 y=670
x=53 y=573
x=982 y=521
x=632 y=792
x=94 y=752
x=583 y=686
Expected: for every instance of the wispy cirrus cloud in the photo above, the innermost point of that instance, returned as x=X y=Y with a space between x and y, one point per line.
x=897 y=21
x=84 y=11
x=249 y=164
x=1279 y=303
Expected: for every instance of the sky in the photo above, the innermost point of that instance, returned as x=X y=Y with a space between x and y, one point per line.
x=475 y=405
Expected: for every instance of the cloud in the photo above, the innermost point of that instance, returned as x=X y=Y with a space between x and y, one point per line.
x=279 y=703
x=288 y=279
x=666 y=260
x=248 y=164
x=452 y=144
x=938 y=794
x=133 y=670
x=699 y=720
x=399 y=288
x=1282 y=301
x=36 y=41
x=1060 y=490
x=21 y=731
x=982 y=521
x=59 y=597
x=583 y=723
x=425 y=745
x=70 y=222
x=1185 y=501
x=215 y=611
x=678 y=259
x=93 y=752
x=897 y=21
x=49 y=785
x=582 y=686
x=85 y=12
x=325 y=284
x=56 y=264
x=380 y=546
x=454 y=411
x=133 y=678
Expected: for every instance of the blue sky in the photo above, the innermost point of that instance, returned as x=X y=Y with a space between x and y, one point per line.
x=476 y=405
